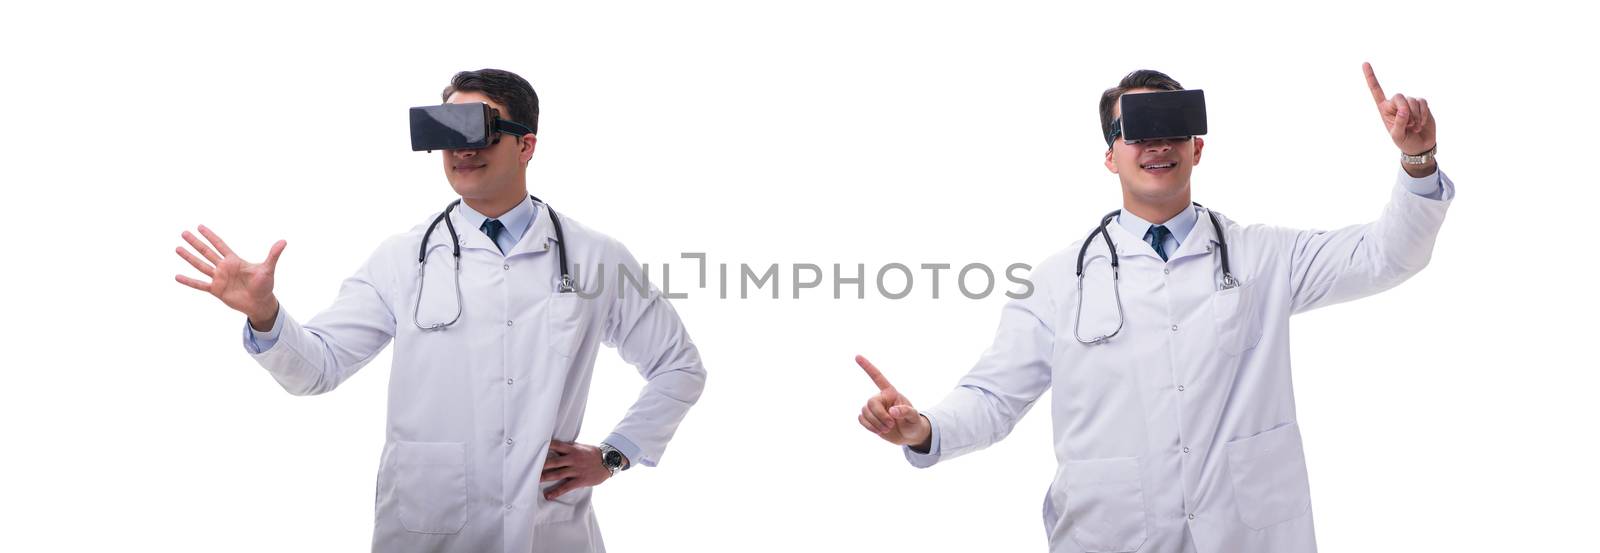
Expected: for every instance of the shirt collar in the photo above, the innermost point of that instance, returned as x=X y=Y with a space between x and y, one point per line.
x=516 y=221
x=1179 y=225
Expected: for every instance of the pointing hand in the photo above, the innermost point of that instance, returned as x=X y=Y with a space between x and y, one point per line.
x=890 y=415
x=1408 y=120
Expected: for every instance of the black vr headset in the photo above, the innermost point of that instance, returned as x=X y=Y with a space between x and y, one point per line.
x=1156 y=115
x=466 y=126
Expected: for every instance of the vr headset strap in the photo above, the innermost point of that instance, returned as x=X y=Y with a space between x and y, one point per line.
x=511 y=127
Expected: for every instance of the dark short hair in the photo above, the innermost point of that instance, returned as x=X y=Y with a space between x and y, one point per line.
x=1143 y=78
x=505 y=88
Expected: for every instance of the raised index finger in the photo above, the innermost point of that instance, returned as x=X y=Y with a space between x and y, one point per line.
x=1372 y=84
x=874 y=373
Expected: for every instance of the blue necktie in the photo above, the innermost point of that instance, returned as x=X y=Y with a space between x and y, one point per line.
x=1157 y=237
x=493 y=228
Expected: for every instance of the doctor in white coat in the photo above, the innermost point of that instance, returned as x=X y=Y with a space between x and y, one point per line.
x=483 y=413
x=1178 y=433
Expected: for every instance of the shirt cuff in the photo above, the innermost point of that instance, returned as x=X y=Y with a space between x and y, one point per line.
x=258 y=342
x=925 y=460
x=627 y=448
x=1429 y=187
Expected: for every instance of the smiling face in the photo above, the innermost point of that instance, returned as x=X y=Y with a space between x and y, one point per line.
x=493 y=173
x=1153 y=172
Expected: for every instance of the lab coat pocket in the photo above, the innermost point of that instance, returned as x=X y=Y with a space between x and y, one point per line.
x=1237 y=322
x=430 y=480
x=1269 y=477
x=1105 y=504
x=567 y=318
x=562 y=509
x=566 y=523
x=572 y=535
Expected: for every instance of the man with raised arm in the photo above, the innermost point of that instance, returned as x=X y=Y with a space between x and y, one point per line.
x=1165 y=337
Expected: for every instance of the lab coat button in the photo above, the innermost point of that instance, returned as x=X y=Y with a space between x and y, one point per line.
x=1185 y=449
x=508 y=506
x=510 y=441
x=1174 y=328
x=508 y=323
x=506 y=266
x=1166 y=271
x=1191 y=516
x=510 y=381
x=1180 y=387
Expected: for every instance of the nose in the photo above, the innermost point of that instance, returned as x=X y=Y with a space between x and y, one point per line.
x=1158 y=145
x=464 y=154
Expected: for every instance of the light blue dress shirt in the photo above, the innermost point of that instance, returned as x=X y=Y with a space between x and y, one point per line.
x=517 y=222
x=1178 y=227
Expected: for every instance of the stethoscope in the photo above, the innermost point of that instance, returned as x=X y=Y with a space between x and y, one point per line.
x=1116 y=283
x=455 y=243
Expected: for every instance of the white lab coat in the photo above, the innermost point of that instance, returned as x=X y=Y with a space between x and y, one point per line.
x=472 y=408
x=1187 y=417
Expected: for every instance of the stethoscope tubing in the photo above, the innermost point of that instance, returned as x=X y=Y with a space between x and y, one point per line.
x=1116 y=278
x=566 y=285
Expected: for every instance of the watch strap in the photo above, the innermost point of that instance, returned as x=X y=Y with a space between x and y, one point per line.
x=606 y=451
x=1419 y=159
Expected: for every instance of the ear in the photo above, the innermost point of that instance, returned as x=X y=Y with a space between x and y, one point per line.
x=1199 y=144
x=1111 y=164
x=528 y=141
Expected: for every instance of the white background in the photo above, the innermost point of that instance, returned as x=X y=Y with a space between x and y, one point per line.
x=1454 y=413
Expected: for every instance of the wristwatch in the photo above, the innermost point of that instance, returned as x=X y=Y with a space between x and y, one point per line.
x=1419 y=159
x=611 y=458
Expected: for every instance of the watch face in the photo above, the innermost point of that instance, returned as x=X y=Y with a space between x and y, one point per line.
x=613 y=458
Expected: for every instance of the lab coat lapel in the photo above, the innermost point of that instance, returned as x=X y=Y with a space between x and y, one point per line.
x=540 y=237
x=1129 y=245
x=1199 y=241
x=470 y=237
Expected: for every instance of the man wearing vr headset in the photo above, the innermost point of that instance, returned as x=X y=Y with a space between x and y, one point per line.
x=1164 y=335
x=491 y=374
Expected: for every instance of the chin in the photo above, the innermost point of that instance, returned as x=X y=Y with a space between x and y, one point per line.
x=465 y=182
x=1159 y=189
x=463 y=188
